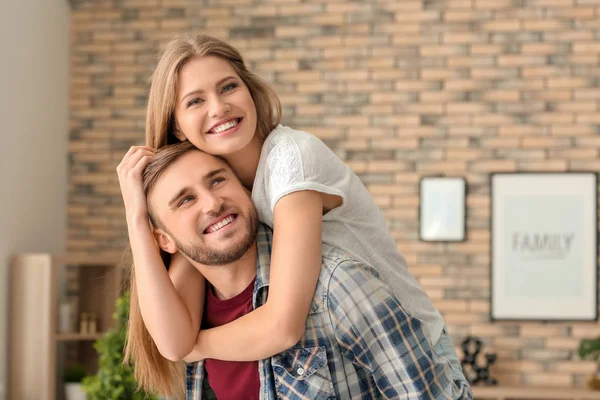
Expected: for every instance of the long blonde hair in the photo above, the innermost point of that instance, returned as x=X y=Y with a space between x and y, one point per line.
x=160 y=119
x=153 y=372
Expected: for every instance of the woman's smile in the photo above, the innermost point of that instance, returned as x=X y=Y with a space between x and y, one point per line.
x=225 y=128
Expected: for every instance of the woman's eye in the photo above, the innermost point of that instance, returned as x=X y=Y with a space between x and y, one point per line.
x=194 y=102
x=229 y=86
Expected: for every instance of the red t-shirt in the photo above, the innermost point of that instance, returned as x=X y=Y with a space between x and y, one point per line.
x=228 y=379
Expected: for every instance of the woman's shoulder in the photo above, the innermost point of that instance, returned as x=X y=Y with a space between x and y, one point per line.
x=284 y=136
x=295 y=153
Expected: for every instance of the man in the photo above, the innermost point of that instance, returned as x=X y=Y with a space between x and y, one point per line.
x=359 y=342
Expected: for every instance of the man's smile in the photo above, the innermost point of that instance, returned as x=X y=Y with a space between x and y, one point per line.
x=221 y=223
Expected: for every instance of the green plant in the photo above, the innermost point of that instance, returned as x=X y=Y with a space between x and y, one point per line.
x=74 y=373
x=589 y=349
x=114 y=380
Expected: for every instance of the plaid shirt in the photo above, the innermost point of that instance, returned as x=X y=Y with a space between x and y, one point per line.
x=359 y=342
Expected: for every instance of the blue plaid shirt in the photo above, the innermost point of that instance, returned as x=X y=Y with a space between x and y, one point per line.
x=359 y=342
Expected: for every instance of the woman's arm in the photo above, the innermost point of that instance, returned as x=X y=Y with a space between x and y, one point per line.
x=295 y=267
x=171 y=302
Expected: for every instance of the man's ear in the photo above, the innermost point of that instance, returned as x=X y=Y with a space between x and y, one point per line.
x=164 y=241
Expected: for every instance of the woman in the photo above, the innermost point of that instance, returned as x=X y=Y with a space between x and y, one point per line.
x=202 y=92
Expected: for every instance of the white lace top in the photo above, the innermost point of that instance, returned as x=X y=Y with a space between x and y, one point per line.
x=293 y=160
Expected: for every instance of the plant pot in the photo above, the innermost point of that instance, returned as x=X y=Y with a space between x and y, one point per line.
x=74 y=391
x=594 y=382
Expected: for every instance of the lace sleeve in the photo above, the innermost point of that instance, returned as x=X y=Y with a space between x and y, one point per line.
x=284 y=168
x=300 y=161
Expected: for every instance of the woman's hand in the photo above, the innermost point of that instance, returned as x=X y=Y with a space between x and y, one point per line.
x=130 y=172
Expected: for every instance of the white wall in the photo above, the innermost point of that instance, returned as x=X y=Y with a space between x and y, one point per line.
x=34 y=68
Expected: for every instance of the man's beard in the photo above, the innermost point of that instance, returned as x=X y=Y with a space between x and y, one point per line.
x=207 y=256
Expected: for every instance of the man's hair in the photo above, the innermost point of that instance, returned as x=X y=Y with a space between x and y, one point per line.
x=163 y=158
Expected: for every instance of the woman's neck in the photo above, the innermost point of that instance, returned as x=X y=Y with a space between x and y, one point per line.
x=245 y=162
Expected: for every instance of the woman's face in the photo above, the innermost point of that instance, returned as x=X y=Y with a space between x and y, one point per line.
x=214 y=109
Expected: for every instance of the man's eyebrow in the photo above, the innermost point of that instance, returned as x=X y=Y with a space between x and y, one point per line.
x=213 y=173
x=177 y=196
x=199 y=91
x=206 y=177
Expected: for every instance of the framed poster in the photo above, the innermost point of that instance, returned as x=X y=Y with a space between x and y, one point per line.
x=544 y=246
x=442 y=209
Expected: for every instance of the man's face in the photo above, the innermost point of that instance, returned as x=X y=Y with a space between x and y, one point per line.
x=204 y=209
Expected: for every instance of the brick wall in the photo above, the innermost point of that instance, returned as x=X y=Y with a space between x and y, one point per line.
x=399 y=89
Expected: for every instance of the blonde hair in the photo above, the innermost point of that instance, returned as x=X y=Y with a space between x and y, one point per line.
x=153 y=372
x=160 y=119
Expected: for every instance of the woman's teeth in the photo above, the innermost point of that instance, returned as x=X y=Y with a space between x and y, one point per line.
x=225 y=126
x=216 y=227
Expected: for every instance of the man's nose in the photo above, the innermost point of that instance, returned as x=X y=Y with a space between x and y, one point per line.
x=211 y=204
x=218 y=107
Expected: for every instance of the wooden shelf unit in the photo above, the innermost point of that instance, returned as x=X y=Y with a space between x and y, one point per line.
x=37 y=349
x=531 y=392
x=69 y=337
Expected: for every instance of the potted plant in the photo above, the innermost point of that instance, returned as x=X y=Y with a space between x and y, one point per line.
x=73 y=376
x=589 y=349
x=114 y=380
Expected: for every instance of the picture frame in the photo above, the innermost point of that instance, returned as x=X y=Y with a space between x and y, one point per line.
x=543 y=246
x=442 y=209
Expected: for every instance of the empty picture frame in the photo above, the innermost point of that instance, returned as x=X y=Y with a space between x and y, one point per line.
x=544 y=246
x=442 y=209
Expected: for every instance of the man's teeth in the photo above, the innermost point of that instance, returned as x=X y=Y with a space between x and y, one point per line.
x=216 y=227
x=225 y=126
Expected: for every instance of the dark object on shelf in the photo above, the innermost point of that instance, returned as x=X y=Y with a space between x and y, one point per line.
x=475 y=373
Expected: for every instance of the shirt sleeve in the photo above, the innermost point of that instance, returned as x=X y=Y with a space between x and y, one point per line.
x=301 y=162
x=379 y=335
